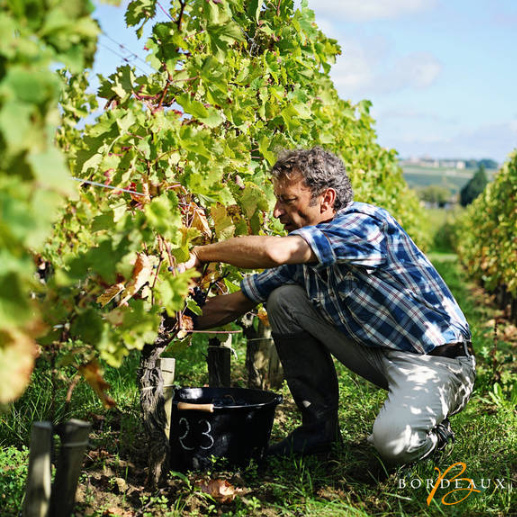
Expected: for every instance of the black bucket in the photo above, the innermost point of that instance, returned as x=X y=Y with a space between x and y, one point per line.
x=231 y=423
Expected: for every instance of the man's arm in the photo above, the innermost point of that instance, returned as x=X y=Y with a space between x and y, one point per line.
x=254 y=252
x=249 y=252
x=223 y=309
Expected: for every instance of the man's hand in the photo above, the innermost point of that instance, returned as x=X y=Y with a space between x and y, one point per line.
x=222 y=309
x=192 y=263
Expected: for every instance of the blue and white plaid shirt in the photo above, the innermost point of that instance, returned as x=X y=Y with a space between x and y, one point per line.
x=372 y=282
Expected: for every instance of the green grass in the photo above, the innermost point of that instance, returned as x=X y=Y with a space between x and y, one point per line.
x=440 y=226
x=353 y=482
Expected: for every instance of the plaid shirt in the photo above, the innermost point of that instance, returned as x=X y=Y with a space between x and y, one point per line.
x=371 y=282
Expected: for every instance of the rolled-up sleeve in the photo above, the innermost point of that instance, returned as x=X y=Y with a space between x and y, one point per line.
x=359 y=241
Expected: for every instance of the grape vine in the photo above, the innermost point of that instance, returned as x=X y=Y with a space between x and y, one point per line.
x=33 y=172
x=193 y=142
x=489 y=232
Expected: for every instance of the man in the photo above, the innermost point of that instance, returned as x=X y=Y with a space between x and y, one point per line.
x=347 y=281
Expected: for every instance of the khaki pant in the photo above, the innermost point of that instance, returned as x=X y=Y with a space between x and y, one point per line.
x=423 y=390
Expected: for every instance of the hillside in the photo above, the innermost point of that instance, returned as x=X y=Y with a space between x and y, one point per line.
x=451 y=178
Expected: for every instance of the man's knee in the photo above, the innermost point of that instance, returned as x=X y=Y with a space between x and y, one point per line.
x=280 y=304
x=397 y=442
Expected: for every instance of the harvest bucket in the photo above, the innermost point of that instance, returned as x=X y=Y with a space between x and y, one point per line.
x=231 y=423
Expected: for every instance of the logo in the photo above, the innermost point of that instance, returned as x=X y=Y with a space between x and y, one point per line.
x=441 y=477
x=458 y=488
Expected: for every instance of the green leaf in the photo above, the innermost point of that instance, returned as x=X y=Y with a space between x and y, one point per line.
x=30 y=86
x=140 y=12
x=15 y=125
x=50 y=170
x=88 y=326
x=103 y=222
x=162 y=215
x=126 y=121
x=192 y=107
x=173 y=290
x=253 y=199
x=222 y=36
x=224 y=227
x=141 y=324
x=254 y=8
x=265 y=150
x=213 y=118
x=14 y=301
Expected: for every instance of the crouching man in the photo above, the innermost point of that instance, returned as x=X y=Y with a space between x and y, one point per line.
x=348 y=281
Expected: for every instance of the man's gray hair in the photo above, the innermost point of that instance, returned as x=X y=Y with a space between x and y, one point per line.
x=319 y=169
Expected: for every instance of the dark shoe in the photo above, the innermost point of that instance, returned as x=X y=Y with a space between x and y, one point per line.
x=445 y=434
x=308 y=439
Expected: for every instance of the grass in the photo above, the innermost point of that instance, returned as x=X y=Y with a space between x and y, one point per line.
x=353 y=482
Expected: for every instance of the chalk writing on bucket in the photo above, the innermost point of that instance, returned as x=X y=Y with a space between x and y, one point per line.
x=202 y=428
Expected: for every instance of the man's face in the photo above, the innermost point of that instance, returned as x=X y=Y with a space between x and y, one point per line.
x=295 y=206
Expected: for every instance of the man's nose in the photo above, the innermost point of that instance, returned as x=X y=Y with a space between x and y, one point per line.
x=278 y=211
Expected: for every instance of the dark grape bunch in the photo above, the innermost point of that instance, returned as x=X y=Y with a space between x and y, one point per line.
x=199 y=296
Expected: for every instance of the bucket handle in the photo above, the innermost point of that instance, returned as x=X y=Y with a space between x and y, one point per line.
x=182 y=406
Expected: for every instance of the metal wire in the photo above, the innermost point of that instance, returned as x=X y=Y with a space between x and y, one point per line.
x=94 y=183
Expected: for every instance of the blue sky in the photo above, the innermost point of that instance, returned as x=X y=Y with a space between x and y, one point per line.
x=442 y=75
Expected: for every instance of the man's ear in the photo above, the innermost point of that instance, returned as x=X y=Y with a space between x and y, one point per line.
x=328 y=199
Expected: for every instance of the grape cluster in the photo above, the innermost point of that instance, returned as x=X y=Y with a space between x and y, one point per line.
x=199 y=296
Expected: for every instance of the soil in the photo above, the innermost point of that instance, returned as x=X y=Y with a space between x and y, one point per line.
x=114 y=479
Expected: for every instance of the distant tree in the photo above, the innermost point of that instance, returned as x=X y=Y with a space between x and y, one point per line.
x=488 y=163
x=474 y=187
x=435 y=194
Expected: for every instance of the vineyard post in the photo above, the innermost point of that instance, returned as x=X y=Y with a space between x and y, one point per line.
x=219 y=363
x=167 y=366
x=37 y=493
x=262 y=362
x=74 y=439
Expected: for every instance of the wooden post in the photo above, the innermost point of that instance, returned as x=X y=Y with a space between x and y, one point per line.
x=37 y=493
x=219 y=363
x=74 y=439
x=262 y=362
x=167 y=365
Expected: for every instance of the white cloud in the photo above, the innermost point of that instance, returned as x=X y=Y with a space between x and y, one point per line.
x=365 y=10
x=369 y=68
x=406 y=114
x=355 y=68
x=417 y=70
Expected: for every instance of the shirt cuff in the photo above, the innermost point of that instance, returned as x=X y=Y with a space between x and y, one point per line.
x=319 y=244
x=250 y=289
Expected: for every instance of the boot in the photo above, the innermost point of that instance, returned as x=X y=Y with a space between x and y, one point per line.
x=311 y=376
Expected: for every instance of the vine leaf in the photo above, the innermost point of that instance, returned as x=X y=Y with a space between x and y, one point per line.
x=220 y=489
x=17 y=354
x=224 y=227
x=110 y=293
x=93 y=376
x=200 y=222
x=141 y=275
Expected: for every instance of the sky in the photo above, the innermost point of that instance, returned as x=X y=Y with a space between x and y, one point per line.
x=441 y=74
